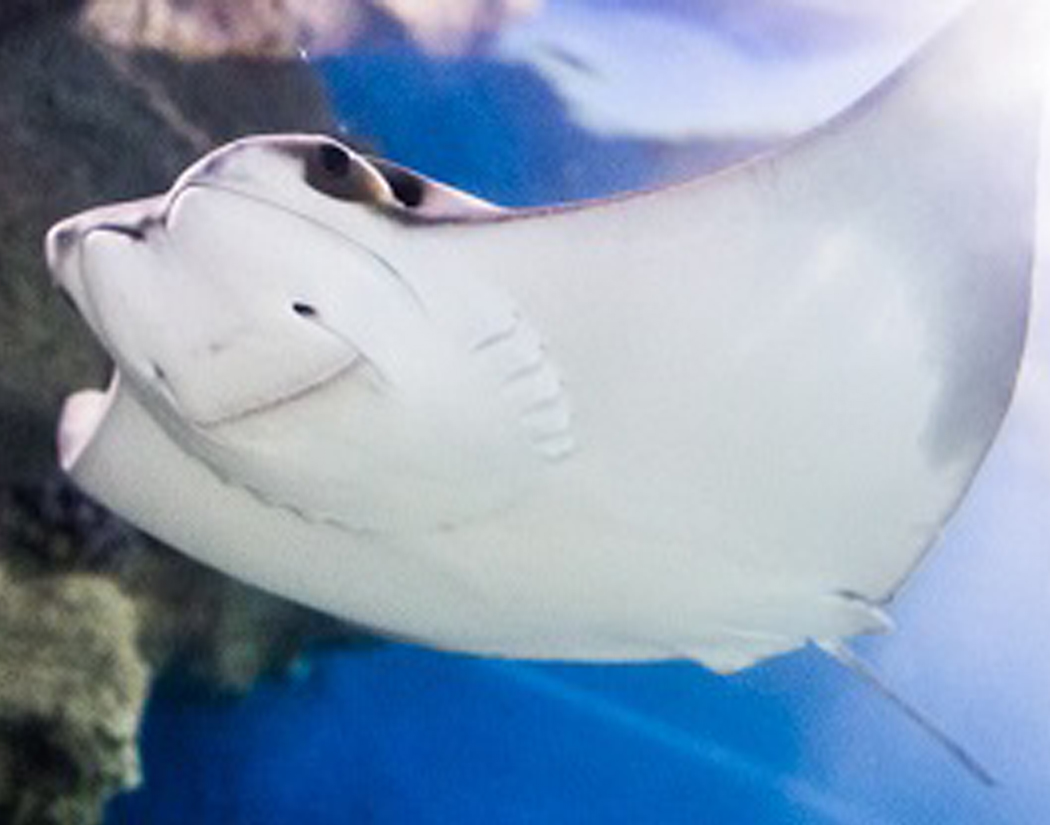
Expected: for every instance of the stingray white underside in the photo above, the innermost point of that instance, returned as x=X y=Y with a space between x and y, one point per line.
x=715 y=421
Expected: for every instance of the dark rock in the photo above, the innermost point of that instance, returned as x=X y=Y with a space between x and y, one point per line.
x=17 y=12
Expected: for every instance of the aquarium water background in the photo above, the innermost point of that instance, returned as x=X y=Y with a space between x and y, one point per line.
x=569 y=105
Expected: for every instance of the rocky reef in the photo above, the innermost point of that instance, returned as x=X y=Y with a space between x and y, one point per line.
x=196 y=29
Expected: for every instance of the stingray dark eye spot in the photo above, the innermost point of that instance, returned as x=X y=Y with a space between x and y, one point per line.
x=304 y=310
x=334 y=160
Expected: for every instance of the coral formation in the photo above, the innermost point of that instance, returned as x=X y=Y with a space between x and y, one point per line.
x=72 y=686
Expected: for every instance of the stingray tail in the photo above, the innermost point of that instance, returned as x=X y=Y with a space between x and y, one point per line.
x=841 y=653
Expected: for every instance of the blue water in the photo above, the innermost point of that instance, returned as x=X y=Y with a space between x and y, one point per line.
x=408 y=736
x=498 y=130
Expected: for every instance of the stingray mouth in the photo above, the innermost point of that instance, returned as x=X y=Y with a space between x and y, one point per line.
x=84 y=412
x=271 y=402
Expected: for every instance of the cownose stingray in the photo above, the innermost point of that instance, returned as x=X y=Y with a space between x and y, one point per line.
x=714 y=421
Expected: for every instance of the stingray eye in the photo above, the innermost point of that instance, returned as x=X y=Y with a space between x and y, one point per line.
x=331 y=170
x=409 y=188
x=334 y=160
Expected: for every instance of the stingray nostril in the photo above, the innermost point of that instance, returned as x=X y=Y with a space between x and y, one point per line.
x=64 y=239
x=214 y=166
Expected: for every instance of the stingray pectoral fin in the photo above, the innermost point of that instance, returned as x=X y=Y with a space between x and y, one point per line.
x=803 y=360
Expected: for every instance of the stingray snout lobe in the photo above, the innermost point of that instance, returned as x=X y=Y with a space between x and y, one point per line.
x=64 y=243
x=132 y=219
x=82 y=414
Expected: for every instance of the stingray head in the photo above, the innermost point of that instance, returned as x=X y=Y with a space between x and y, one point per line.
x=256 y=303
x=239 y=289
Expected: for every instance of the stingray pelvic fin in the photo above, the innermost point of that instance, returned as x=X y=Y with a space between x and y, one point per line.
x=741 y=650
x=841 y=653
